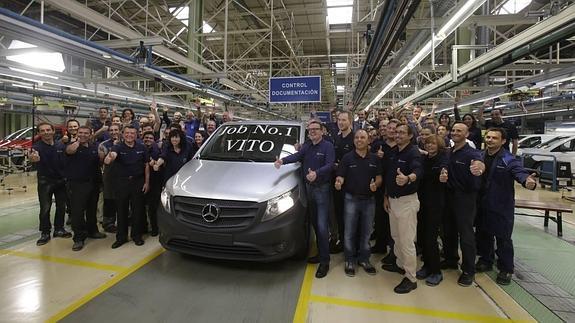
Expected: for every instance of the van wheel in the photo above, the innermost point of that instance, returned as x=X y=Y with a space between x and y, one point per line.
x=303 y=251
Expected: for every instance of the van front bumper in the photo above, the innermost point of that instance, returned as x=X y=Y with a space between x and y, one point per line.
x=271 y=240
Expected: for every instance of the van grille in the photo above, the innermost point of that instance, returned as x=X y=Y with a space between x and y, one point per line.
x=208 y=248
x=234 y=215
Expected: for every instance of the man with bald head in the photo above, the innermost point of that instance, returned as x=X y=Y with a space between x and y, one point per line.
x=464 y=170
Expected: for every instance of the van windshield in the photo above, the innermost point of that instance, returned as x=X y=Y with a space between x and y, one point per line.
x=253 y=143
x=548 y=143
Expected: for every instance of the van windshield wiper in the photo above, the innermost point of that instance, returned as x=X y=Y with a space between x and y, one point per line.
x=228 y=158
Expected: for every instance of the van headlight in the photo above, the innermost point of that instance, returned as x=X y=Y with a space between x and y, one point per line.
x=279 y=205
x=165 y=200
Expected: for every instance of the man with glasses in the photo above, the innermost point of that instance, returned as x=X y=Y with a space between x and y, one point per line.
x=317 y=157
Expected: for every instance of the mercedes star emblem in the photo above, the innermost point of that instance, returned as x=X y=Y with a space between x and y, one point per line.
x=210 y=213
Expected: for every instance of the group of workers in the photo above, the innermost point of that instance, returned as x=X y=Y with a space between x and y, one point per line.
x=407 y=179
x=120 y=156
x=413 y=181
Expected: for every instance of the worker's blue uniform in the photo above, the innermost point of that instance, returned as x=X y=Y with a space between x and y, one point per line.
x=497 y=208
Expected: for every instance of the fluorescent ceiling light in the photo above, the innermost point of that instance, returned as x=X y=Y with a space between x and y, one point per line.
x=206 y=28
x=37 y=59
x=513 y=7
x=339 y=15
x=340 y=65
x=340 y=88
x=33 y=73
x=181 y=13
x=455 y=20
x=335 y=3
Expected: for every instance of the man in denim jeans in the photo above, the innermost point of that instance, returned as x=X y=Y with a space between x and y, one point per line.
x=359 y=175
x=317 y=157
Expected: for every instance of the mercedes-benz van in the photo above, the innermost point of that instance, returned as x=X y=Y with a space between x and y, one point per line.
x=229 y=201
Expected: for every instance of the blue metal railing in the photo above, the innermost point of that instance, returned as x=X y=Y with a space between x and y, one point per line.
x=553 y=172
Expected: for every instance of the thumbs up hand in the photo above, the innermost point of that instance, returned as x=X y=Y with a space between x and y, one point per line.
x=380 y=153
x=443 y=176
x=372 y=185
x=531 y=182
x=34 y=156
x=477 y=167
x=338 y=183
x=311 y=175
x=401 y=179
x=278 y=163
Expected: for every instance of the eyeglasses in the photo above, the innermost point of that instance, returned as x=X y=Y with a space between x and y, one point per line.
x=314 y=129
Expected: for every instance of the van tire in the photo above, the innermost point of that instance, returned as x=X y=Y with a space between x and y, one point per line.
x=303 y=251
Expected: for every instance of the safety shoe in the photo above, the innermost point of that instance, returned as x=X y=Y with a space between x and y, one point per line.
x=139 y=242
x=503 y=278
x=110 y=228
x=433 y=279
x=313 y=259
x=44 y=238
x=349 y=269
x=446 y=264
x=465 y=279
x=422 y=273
x=394 y=268
x=97 y=235
x=335 y=248
x=154 y=233
x=78 y=245
x=322 y=270
x=389 y=259
x=368 y=267
x=481 y=267
x=118 y=244
x=62 y=234
x=405 y=286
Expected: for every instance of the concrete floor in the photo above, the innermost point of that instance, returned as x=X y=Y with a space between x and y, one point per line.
x=53 y=283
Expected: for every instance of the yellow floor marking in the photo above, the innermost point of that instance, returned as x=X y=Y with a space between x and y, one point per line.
x=304 y=294
x=88 y=297
x=409 y=310
x=67 y=261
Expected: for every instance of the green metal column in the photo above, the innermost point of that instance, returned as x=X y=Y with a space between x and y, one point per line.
x=464 y=36
x=195 y=22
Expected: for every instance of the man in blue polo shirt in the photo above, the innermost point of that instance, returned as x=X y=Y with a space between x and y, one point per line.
x=100 y=125
x=343 y=144
x=83 y=184
x=464 y=168
x=497 y=206
x=404 y=169
x=359 y=174
x=108 y=178
x=317 y=157
x=132 y=169
x=47 y=155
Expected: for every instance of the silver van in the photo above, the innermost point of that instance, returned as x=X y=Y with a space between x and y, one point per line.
x=229 y=201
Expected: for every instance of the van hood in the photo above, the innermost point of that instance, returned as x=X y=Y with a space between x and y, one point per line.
x=529 y=151
x=227 y=180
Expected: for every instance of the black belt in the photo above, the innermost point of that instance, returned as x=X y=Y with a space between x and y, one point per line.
x=50 y=178
x=361 y=196
x=81 y=180
x=131 y=178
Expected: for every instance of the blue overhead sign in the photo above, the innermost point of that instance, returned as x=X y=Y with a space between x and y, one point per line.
x=304 y=89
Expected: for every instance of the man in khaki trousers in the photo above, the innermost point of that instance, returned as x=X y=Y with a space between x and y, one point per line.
x=403 y=171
